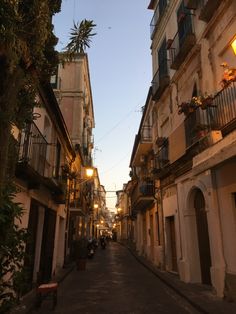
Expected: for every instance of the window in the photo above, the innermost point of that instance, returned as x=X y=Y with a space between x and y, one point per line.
x=184 y=22
x=54 y=79
x=162 y=59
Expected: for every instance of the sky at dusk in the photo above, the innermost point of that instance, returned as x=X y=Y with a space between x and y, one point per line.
x=120 y=73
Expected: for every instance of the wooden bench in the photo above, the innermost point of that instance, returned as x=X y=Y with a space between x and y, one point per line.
x=46 y=290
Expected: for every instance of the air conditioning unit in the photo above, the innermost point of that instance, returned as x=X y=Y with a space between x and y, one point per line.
x=214 y=137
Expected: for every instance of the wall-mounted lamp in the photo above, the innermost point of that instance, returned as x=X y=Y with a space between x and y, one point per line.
x=233 y=45
x=89 y=172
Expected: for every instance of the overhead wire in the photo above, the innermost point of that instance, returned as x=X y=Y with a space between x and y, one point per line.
x=119 y=122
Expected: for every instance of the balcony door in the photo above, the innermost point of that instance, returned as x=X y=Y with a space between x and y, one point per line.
x=162 y=60
x=184 y=23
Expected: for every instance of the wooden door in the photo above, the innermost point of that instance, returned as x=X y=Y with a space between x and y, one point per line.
x=151 y=237
x=203 y=237
x=47 y=245
x=31 y=246
x=173 y=243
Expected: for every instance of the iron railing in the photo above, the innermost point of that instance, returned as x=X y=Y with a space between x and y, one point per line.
x=183 y=41
x=157 y=16
x=221 y=115
x=33 y=148
x=161 y=78
x=162 y=157
x=143 y=189
x=223 y=112
x=146 y=134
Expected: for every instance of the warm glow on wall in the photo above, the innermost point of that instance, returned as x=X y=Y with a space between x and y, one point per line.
x=233 y=45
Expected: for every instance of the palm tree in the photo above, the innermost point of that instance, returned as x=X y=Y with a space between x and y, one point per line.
x=80 y=38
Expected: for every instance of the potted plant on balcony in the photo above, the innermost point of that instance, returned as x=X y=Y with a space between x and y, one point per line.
x=229 y=75
x=186 y=108
x=196 y=102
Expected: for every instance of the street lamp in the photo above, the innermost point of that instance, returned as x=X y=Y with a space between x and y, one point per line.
x=89 y=172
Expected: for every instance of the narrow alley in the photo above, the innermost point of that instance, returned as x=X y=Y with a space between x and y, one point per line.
x=115 y=282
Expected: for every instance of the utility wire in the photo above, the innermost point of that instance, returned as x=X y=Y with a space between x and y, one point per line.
x=115 y=165
x=119 y=122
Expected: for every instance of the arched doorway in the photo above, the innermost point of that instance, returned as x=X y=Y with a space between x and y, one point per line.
x=203 y=237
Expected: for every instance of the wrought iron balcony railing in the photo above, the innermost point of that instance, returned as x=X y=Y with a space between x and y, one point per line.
x=182 y=43
x=160 y=9
x=162 y=157
x=146 y=134
x=143 y=195
x=220 y=116
x=33 y=148
x=160 y=80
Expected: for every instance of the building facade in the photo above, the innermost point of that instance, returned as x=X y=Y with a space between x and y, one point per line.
x=72 y=88
x=45 y=150
x=191 y=111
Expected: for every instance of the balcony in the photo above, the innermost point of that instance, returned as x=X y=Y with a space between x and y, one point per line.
x=182 y=43
x=160 y=80
x=143 y=196
x=220 y=116
x=142 y=145
x=32 y=155
x=161 y=159
x=208 y=7
x=76 y=206
x=197 y=125
x=223 y=115
x=160 y=9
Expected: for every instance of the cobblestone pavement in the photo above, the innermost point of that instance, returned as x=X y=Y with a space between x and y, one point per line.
x=115 y=282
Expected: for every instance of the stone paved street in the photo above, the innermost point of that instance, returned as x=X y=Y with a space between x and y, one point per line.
x=115 y=282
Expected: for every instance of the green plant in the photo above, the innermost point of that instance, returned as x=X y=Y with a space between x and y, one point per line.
x=27 y=56
x=80 y=38
x=12 y=243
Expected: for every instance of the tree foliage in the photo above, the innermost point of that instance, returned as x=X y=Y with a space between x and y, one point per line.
x=12 y=241
x=27 y=55
x=26 y=47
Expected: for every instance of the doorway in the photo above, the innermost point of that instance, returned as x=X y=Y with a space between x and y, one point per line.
x=203 y=237
x=30 y=249
x=151 y=234
x=171 y=243
x=47 y=249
